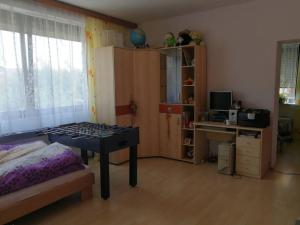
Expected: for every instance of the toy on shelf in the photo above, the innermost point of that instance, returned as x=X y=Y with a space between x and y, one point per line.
x=185 y=37
x=188 y=81
x=189 y=100
x=196 y=38
x=189 y=153
x=179 y=41
x=191 y=125
x=169 y=40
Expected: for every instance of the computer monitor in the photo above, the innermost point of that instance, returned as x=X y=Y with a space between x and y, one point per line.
x=220 y=100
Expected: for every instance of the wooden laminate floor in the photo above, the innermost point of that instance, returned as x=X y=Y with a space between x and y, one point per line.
x=177 y=193
x=288 y=161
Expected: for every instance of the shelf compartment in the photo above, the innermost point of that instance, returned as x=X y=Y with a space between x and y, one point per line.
x=188 y=94
x=188 y=116
x=187 y=73
x=188 y=55
x=188 y=152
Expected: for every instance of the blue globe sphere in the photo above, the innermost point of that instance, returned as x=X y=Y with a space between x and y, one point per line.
x=138 y=37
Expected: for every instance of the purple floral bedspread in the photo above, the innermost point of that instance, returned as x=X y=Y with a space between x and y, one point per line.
x=22 y=167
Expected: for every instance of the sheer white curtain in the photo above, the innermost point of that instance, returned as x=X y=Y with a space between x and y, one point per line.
x=43 y=79
x=289 y=71
x=289 y=65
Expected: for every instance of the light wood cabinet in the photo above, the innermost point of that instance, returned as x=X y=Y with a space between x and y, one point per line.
x=248 y=146
x=253 y=145
x=183 y=83
x=142 y=77
x=170 y=135
x=123 y=77
x=146 y=97
x=253 y=154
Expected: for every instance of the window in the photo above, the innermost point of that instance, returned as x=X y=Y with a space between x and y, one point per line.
x=42 y=69
x=289 y=72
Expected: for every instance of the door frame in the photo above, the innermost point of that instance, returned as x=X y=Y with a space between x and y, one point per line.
x=277 y=85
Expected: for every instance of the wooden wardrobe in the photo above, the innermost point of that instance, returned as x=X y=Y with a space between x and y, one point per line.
x=146 y=88
x=127 y=79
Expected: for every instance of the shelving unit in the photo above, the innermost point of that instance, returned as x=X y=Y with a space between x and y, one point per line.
x=188 y=102
x=188 y=72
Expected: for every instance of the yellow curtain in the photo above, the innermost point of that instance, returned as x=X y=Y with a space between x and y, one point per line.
x=94 y=28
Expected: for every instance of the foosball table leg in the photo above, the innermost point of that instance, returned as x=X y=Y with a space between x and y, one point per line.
x=104 y=175
x=84 y=156
x=133 y=166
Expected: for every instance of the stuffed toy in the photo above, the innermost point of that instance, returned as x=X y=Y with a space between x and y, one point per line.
x=184 y=37
x=196 y=38
x=179 y=41
x=169 y=40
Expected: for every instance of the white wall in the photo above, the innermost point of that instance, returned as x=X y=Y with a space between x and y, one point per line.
x=242 y=43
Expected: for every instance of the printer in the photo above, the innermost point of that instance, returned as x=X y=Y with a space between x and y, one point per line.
x=259 y=118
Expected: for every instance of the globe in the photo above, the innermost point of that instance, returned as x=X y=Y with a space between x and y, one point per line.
x=138 y=37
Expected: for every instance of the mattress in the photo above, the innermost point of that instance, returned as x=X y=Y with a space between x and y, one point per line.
x=32 y=163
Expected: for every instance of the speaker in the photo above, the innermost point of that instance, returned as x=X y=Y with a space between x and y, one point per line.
x=233 y=116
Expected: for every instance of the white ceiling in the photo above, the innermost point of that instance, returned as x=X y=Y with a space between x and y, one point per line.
x=146 y=10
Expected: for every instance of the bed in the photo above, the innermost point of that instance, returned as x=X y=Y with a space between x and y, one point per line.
x=34 y=174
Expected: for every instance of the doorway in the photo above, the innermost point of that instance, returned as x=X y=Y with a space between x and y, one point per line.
x=288 y=89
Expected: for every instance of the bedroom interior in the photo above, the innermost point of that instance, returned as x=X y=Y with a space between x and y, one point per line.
x=161 y=112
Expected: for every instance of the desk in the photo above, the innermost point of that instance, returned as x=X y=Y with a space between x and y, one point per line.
x=253 y=153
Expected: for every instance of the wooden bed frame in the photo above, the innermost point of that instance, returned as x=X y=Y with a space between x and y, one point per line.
x=20 y=203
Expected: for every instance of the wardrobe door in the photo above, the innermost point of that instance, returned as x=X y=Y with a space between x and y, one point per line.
x=175 y=136
x=164 y=134
x=123 y=70
x=123 y=64
x=146 y=85
x=170 y=135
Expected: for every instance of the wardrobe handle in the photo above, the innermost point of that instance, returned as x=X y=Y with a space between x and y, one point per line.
x=133 y=107
x=168 y=115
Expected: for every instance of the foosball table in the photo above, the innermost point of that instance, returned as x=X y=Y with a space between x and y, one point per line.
x=99 y=138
